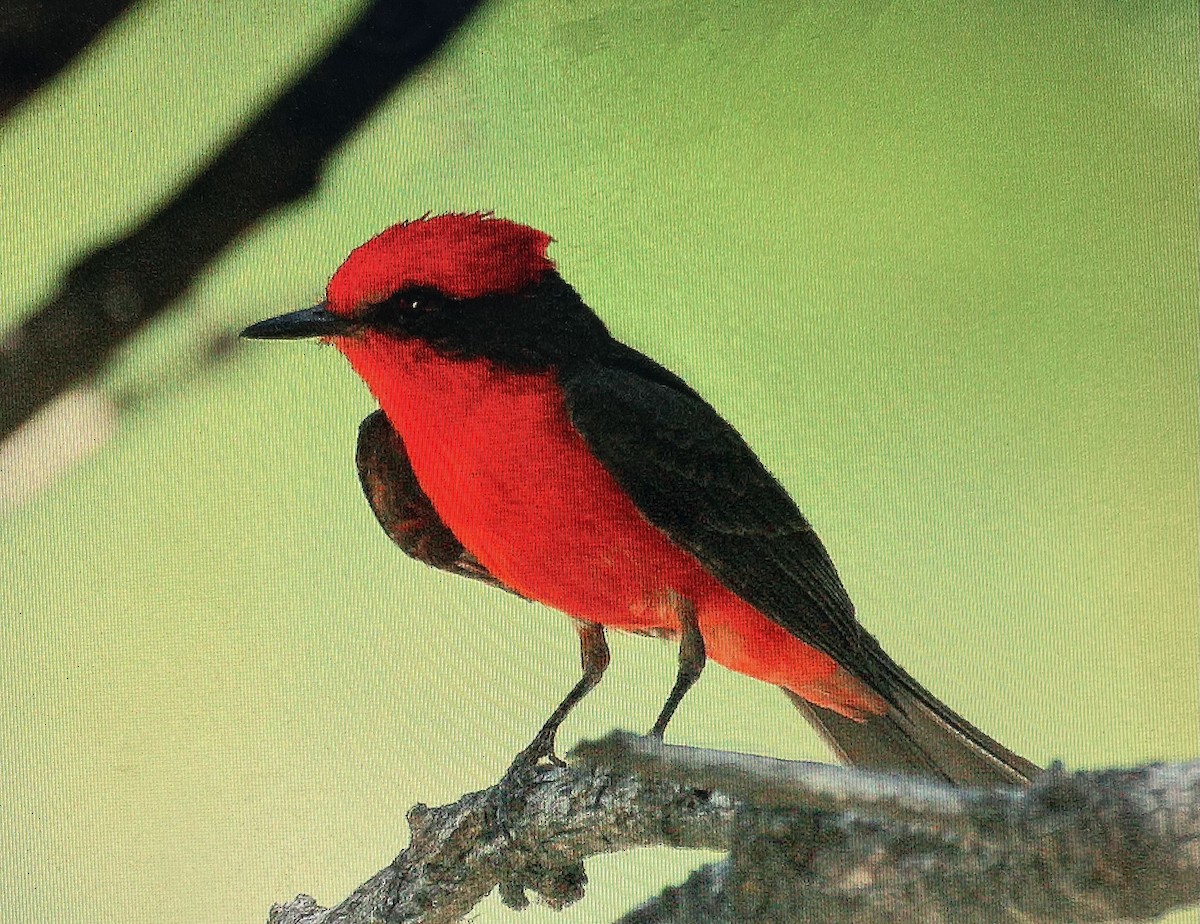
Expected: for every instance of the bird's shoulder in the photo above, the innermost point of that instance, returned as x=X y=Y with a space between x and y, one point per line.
x=657 y=435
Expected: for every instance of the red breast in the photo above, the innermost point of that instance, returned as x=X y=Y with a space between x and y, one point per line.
x=496 y=453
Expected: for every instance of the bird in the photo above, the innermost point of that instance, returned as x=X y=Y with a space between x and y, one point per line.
x=520 y=444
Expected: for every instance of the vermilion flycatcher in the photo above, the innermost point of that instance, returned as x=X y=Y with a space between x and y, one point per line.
x=520 y=444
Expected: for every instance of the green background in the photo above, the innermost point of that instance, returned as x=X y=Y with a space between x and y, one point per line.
x=937 y=261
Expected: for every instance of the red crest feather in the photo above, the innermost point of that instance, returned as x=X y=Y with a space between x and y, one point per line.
x=462 y=256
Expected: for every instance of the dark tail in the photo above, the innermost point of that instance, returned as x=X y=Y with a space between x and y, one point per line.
x=919 y=735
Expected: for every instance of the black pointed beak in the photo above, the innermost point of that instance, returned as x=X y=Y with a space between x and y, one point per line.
x=317 y=321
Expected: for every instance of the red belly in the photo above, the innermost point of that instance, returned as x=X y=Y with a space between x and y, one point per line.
x=506 y=471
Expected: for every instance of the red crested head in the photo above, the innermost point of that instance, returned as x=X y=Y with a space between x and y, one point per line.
x=461 y=256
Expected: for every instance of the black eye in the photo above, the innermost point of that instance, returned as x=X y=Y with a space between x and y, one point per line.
x=421 y=301
x=407 y=311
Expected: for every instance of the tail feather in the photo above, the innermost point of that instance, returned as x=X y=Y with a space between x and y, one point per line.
x=919 y=735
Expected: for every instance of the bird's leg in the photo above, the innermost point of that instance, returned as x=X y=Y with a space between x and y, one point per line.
x=593 y=657
x=692 y=659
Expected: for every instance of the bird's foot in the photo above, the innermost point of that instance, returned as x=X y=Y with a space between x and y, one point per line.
x=542 y=746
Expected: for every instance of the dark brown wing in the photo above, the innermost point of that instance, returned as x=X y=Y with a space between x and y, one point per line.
x=694 y=477
x=403 y=509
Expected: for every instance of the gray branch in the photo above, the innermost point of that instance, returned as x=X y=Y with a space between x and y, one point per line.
x=806 y=842
x=531 y=831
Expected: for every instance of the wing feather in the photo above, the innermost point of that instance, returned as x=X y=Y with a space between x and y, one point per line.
x=403 y=509
x=695 y=478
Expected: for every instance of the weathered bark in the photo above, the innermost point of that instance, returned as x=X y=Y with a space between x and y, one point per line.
x=846 y=846
x=531 y=831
